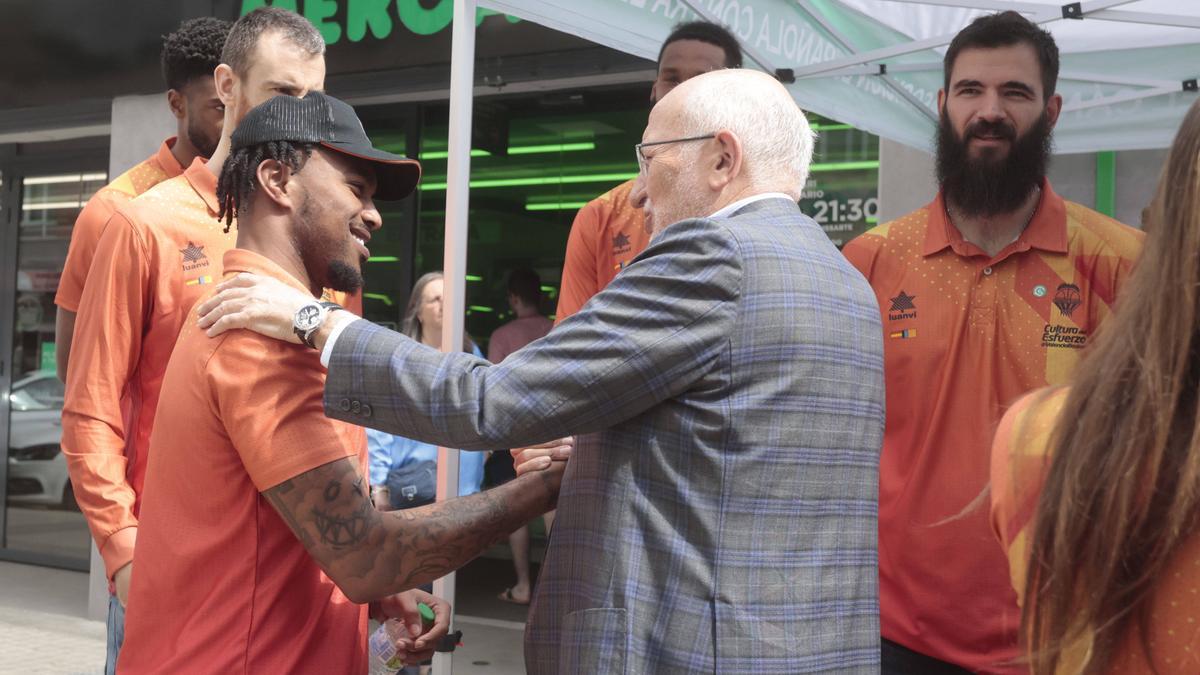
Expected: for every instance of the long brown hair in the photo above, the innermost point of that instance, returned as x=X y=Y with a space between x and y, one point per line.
x=1122 y=492
x=410 y=323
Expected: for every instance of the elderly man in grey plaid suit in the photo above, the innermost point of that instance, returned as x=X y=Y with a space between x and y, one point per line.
x=720 y=515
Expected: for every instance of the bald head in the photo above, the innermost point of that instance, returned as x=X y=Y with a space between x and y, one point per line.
x=776 y=140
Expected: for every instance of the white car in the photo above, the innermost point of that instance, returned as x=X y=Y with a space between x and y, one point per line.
x=37 y=470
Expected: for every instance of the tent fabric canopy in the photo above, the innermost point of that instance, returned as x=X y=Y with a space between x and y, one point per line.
x=1128 y=71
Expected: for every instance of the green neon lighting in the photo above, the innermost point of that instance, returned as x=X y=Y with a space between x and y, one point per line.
x=830 y=127
x=556 y=206
x=474 y=277
x=480 y=308
x=383 y=258
x=552 y=147
x=1106 y=183
x=518 y=150
x=844 y=166
x=443 y=154
x=548 y=289
x=379 y=296
x=541 y=180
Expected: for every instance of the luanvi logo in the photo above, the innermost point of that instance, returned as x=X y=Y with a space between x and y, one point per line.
x=193 y=257
x=903 y=307
x=620 y=243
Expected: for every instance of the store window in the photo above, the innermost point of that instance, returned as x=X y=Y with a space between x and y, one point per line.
x=41 y=515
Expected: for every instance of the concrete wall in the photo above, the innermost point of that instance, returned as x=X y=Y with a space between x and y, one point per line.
x=906 y=180
x=139 y=125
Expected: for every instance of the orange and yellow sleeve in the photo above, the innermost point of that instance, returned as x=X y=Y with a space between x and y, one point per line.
x=579 y=277
x=104 y=358
x=1020 y=458
x=85 y=236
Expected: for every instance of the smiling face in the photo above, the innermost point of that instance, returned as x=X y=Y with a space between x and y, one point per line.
x=996 y=97
x=994 y=130
x=334 y=218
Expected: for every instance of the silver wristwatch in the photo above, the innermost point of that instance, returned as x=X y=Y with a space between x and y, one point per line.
x=309 y=318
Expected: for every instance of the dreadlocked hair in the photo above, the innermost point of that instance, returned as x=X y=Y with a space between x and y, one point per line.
x=238 y=176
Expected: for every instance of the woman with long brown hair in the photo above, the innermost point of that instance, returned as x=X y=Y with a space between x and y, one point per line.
x=1096 y=488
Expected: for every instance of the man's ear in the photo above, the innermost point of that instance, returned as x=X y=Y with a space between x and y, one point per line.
x=1054 y=109
x=177 y=102
x=276 y=184
x=724 y=161
x=225 y=81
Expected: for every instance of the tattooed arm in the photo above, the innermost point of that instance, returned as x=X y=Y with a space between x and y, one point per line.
x=371 y=554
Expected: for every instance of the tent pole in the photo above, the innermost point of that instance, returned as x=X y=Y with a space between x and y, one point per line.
x=454 y=264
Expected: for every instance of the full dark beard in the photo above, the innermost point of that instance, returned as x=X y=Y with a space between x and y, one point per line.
x=204 y=144
x=988 y=185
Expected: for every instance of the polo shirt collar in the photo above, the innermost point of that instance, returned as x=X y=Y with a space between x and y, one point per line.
x=203 y=182
x=1047 y=229
x=166 y=159
x=243 y=260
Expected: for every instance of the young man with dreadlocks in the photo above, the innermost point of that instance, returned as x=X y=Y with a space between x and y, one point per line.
x=156 y=256
x=189 y=56
x=272 y=510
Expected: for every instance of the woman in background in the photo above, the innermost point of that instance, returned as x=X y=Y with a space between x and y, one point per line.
x=403 y=472
x=1096 y=488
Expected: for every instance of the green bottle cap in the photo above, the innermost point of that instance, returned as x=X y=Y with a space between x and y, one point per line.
x=427 y=616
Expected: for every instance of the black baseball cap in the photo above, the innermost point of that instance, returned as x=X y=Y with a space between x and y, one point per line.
x=332 y=124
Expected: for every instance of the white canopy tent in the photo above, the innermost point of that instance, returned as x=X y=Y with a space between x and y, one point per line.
x=1128 y=74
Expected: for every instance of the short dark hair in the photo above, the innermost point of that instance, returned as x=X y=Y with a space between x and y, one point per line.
x=239 y=46
x=526 y=285
x=239 y=178
x=193 y=50
x=713 y=34
x=1005 y=30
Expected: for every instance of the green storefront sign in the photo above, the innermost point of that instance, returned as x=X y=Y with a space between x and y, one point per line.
x=371 y=16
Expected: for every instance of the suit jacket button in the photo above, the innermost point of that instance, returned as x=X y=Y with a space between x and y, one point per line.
x=366 y=410
x=355 y=406
x=345 y=405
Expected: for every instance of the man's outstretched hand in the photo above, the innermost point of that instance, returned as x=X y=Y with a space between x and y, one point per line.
x=538 y=457
x=254 y=302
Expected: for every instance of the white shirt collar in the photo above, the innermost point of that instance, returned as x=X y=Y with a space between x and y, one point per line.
x=732 y=208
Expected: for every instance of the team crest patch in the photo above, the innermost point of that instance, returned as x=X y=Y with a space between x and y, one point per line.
x=1067 y=298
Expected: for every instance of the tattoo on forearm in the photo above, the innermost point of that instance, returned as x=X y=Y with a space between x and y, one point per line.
x=331 y=512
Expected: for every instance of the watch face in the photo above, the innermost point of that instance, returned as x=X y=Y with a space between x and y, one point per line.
x=307 y=317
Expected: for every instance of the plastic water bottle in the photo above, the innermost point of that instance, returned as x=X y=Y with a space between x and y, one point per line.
x=381 y=648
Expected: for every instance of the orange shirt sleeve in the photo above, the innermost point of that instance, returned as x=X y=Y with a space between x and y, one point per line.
x=104 y=356
x=270 y=398
x=1020 y=458
x=85 y=236
x=861 y=253
x=579 y=277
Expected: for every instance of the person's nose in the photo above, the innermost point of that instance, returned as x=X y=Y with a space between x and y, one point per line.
x=371 y=216
x=637 y=196
x=991 y=108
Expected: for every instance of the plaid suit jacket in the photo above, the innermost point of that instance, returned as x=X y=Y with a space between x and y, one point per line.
x=722 y=517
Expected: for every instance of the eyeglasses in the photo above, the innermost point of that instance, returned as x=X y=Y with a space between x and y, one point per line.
x=644 y=161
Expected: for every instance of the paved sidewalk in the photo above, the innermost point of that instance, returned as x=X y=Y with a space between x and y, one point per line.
x=42 y=629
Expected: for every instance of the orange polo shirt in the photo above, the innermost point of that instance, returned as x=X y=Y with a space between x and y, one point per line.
x=1021 y=456
x=221 y=583
x=607 y=234
x=95 y=214
x=965 y=335
x=156 y=258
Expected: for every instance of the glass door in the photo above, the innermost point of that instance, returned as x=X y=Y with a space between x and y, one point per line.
x=42 y=522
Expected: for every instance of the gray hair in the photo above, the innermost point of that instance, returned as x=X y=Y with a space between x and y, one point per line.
x=238 y=53
x=777 y=141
